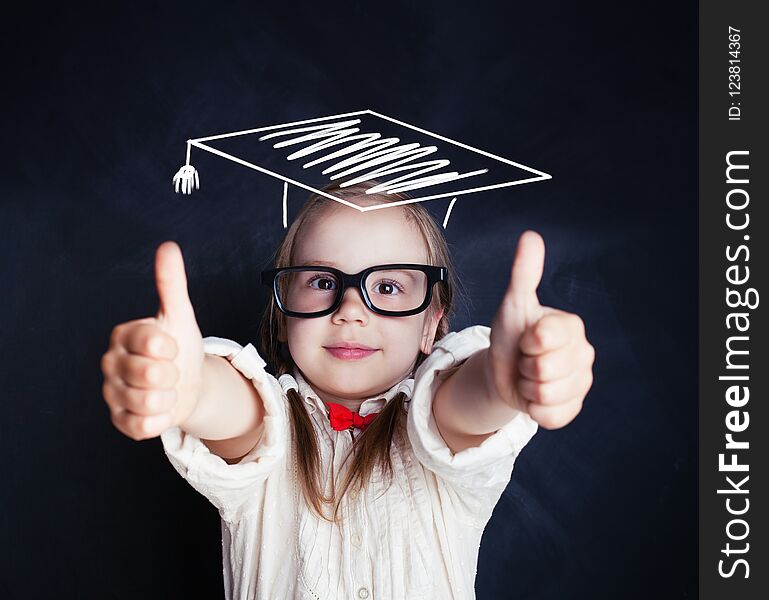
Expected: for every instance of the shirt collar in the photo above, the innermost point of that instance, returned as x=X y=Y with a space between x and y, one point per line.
x=370 y=405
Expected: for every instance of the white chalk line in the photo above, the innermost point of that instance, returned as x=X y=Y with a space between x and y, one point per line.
x=542 y=174
x=269 y=127
x=376 y=150
x=448 y=212
x=240 y=161
x=285 y=205
x=459 y=193
x=389 y=160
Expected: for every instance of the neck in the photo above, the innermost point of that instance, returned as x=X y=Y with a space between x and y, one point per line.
x=352 y=404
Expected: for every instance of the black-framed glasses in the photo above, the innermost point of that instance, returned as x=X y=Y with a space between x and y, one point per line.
x=393 y=290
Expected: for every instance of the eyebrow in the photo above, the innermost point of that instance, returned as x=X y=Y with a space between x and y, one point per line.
x=319 y=263
x=324 y=263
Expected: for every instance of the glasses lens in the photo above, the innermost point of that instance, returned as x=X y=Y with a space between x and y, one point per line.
x=314 y=290
x=307 y=291
x=397 y=290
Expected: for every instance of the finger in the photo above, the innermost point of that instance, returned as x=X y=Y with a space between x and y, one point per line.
x=147 y=339
x=119 y=332
x=139 y=427
x=558 y=363
x=552 y=365
x=147 y=373
x=108 y=364
x=524 y=404
x=554 y=417
x=528 y=266
x=556 y=392
x=171 y=281
x=554 y=330
x=144 y=402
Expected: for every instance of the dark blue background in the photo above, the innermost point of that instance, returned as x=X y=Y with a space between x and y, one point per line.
x=97 y=107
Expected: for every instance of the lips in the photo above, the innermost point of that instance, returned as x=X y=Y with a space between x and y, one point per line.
x=350 y=346
x=350 y=350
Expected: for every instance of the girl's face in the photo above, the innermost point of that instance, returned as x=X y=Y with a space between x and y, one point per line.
x=351 y=240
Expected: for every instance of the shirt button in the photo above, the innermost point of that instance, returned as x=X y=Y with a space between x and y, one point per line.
x=362 y=593
x=354 y=495
x=355 y=540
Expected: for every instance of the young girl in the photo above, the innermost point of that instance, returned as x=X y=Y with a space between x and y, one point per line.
x=370 y=464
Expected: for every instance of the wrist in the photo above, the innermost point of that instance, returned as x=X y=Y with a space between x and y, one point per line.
x=191 y=397
x=499 y=384
x=490 y=385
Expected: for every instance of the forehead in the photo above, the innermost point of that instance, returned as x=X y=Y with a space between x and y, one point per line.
x=352 y=240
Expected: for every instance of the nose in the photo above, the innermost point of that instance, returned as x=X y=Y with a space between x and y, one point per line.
x=352 y=308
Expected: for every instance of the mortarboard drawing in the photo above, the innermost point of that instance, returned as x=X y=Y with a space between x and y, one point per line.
x=361 y=146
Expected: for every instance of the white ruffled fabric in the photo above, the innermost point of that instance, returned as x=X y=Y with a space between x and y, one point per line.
x=416 y=539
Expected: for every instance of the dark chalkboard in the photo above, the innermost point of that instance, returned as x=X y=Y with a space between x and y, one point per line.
x=98 y=107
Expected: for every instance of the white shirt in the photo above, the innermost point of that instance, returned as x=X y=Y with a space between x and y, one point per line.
x=417 y=540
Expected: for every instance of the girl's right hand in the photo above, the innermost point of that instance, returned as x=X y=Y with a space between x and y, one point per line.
x=153 y=368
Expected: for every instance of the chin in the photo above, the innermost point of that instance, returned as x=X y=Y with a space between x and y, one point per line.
x=348 y=379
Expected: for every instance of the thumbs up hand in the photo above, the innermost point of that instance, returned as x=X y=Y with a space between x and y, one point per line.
x=153 y=367
x=539 y=360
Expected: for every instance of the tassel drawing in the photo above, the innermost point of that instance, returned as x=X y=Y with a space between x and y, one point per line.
x=185 y=178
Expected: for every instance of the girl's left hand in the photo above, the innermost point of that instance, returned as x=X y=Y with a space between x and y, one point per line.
x=539 y=360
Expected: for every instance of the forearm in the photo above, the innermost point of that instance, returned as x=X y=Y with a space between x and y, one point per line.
x=464 y=404
x=228 y=406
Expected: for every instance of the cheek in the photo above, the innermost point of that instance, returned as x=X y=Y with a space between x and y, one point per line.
x=396 y=332
x=409 y=331
x=301 y=334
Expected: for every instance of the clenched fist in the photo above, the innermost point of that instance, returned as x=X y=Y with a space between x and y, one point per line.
x=153 y=367
x=539 y=360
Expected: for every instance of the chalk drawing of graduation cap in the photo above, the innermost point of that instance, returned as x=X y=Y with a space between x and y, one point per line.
x=361 y=146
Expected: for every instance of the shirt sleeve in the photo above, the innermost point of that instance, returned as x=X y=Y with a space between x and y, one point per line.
x=485 y=467
x=233 y=488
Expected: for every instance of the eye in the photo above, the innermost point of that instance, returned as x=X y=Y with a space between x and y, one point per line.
x=388 y=287
x=325 y=282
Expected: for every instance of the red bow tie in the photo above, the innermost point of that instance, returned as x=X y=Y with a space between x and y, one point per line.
x=343 y=418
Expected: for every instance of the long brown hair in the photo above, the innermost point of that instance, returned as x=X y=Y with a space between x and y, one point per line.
x=371 y=449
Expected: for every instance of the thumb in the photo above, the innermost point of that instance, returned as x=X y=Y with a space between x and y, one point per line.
x=171 y=282
x=519 y=310
x=528 y=265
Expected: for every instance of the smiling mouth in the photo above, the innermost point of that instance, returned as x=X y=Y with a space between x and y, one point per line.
x=350 y=353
